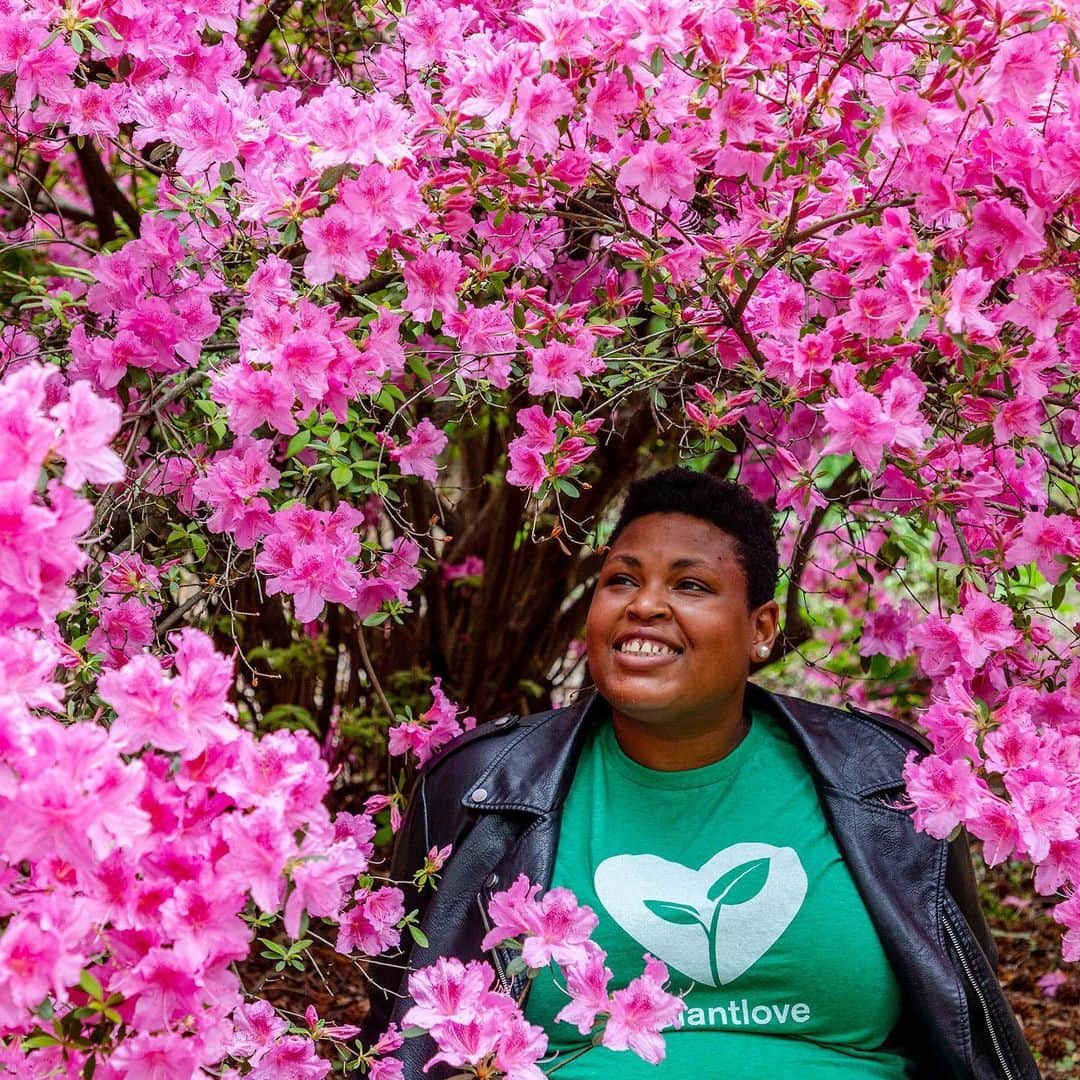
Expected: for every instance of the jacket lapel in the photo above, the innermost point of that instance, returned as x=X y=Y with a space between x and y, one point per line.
x=861 y=787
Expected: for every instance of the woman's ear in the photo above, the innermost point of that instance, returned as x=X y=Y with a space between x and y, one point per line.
x=765 y=624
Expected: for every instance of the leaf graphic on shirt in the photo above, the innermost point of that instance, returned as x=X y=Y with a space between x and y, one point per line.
x=680 y=914
x=740 y=883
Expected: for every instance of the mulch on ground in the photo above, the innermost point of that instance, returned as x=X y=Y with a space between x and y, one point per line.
x=1029 y=948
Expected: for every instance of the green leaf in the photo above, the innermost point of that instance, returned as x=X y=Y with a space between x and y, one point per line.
x=331 y=176
x=35 y=1042
x=418 y=935
x=297 y=443
x=679 y=914
x=920 y=324
x=340 y=476
x=740 y=883
x=90 y=984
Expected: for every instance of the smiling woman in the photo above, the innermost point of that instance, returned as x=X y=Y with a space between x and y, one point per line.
x=758 y=845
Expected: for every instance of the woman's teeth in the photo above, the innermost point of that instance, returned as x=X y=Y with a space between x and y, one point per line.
x=641 y=647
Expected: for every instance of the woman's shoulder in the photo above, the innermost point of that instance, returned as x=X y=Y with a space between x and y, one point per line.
x=509 y=750
x=854 y=719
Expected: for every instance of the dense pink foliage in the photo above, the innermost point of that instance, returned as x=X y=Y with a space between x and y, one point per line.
x=836 y=244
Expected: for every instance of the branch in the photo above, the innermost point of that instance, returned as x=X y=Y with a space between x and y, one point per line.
x=105 y=196
x=267 y=24
x=796 y=631
x=25 y=204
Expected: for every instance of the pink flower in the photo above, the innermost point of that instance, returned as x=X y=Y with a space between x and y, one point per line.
x=205 y=132
x=587 y=984
x=253 y=397
x=510 y=912
x=35 y=961
x=555 y=927
x=857 y=423
x=89 y=424
x=558 y=367
x=433 y=730
x=258 y=849
x=310 y=554
x=1022 y=418
x=660 y=172
x=521 y=1045
x=336 y=244
x=417 y=457
x=966 y=292
x=1001 y=237
x=1043 y=813
x=875 y=313
x=527 y=465
x=995 y=825
x=125 y=627
x=558 y=928
x=1051 y=982
x=464 y=1043
x=936 y=645
x=639 y=1013
x=983 y=627
x=1051 y=542
x=447 y=991
x=885 y=633
x=164 y=1056
x=293 y=1057
x=370 y=927
x=472 y=566
x=946 y=794
x=432 y=280
x=257 y=1027
x=487 y=340
x=1039 y=300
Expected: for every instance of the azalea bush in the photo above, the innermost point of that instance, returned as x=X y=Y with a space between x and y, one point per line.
x=332 y=336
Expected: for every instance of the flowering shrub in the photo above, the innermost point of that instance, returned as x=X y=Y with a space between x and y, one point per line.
x=477 y=1024
x=337 y=311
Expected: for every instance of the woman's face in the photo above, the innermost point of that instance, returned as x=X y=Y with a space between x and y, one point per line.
x=670 y=636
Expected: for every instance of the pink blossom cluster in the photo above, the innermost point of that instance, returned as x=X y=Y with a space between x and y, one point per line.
x=135 y=840
x=43 y=419
x=156 y=296
x=434 y=729
x=296 y=356
x=126 y=609
x=540 y=454
x=133 y=849
x=476 y=1026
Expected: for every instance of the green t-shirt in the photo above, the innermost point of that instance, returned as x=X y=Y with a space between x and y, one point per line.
x=729 y=874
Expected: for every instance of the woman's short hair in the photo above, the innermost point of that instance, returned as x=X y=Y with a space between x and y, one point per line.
x=723 y=503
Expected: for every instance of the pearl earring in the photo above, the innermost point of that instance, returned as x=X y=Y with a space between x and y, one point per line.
x=763 y=651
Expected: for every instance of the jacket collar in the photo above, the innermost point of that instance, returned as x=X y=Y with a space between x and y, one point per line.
x=532 y=771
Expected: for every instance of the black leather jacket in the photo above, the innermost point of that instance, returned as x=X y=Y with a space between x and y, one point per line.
x=496 y=795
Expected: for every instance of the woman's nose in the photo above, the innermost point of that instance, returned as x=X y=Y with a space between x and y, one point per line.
x=649 y=602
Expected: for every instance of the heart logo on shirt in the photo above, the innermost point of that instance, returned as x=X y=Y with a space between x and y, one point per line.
x=714 y=923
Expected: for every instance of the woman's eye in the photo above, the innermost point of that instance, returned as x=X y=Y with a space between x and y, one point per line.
x=690 y=583
x=620 y=579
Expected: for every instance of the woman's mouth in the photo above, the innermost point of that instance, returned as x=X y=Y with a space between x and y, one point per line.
x=640 y=652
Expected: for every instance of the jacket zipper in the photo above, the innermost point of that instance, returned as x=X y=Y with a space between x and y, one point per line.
x=504 y=981
x=970 y=975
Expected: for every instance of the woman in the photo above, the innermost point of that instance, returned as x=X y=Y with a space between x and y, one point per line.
x=755 y=843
